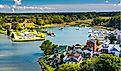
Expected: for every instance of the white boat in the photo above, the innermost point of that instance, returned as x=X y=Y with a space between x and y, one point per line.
x=90 y=31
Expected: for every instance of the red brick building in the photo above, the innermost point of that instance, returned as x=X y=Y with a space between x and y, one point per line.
x=92 y=44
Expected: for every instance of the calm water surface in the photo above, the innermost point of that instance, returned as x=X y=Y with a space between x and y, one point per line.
x=23 y=56
x=69 y=35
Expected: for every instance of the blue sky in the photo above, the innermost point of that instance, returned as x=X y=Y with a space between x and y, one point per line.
x=59 y=5
x=41 y=2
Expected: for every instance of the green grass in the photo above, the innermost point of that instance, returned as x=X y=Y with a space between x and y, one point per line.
x=47 y=67
x=2 y=32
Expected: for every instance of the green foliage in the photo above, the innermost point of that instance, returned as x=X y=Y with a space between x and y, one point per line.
x=112 y=38
x=47 y=46
x=97 y=21
x=1 y=31
x=47 y=67
x=119 y=45
x=98 y=42
x=60 y=18
x=41 y=22
x=115 y=22
x=15 y=26
x=87 y=64
x=68 y=67
x=17 y=32
x=107 y=62
x=104 y=62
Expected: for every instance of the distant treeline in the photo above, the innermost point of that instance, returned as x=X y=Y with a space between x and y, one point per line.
x=60 y=18
x=64 y=13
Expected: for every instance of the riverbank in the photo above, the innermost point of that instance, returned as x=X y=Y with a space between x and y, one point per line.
x=74 y=23
x=81 y=23
x=103 y=27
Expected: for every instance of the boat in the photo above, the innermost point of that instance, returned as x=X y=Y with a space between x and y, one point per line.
x=90 y=30
x=51 y=34
x=61 y=28
x=77 y=29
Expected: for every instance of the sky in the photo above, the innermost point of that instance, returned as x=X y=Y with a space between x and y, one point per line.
x=21 y=6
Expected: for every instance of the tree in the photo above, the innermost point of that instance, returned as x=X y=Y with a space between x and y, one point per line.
x=98 y=42
x=68 y=67
x=87 y=64
x=15 y=26
x=41 y=22
x=8 y=32
x=115 y=22
x=107 y=62
x=46 y=21
x=97 y=21
x=112 y=38
x=47 y=46
x=89 y=16
x=84 y=17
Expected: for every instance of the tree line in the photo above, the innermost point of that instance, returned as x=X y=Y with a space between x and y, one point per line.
x=60 y=18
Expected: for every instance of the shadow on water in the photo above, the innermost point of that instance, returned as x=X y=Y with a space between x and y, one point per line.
x=38 y=54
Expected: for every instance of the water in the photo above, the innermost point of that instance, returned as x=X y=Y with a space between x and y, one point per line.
x=69 y=35
x=23 y=56
x=19 y=56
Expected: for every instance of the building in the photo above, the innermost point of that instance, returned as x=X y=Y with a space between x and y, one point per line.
x=73 y=58
x=111 y=48
x=91 y=43
x=117 y=33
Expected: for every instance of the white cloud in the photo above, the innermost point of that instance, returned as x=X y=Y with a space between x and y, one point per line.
x=1 y=6
x=106 y=1
x=4 y=7
x=63 y=8
x=17 y=2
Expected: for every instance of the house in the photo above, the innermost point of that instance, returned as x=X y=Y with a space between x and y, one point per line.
x=114 y=49
x=61 y=49
x=91 y=43
x=117 y=33
x=111 y=48
x=75 y=58
x=87 y=53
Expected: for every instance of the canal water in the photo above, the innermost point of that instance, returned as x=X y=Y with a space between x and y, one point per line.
x=23 y=56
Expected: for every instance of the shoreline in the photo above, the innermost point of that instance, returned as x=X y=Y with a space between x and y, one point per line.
x=80 y=25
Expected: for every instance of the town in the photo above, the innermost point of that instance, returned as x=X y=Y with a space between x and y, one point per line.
x=99 y=42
